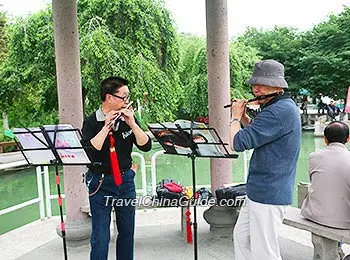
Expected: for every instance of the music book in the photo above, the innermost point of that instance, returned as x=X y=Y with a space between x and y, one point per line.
x=39 y=151
x=175 y=140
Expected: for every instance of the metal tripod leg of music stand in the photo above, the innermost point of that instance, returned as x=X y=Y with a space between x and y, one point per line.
x=195 y=241
x=59 y=201
x=182 y=138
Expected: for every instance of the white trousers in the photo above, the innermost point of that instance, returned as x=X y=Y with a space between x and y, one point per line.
x=256 y=231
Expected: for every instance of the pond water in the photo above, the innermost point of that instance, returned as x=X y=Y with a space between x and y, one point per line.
x=19 y=186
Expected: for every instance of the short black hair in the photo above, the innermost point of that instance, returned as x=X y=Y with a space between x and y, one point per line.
x=337 y=131
x=111 y=85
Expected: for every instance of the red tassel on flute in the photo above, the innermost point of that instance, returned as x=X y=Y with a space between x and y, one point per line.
x=114 y=161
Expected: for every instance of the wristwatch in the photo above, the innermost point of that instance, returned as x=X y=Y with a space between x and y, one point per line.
x=234 y=119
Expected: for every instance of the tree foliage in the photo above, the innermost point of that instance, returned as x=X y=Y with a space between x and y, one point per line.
x=3 y=37
x=136 y=39
x=194 y=76
x=189 y=45
x=27 y=76
x=242 y=60
x=130 y=38
x=281 y=44
x=316 y=60
x=325 y=63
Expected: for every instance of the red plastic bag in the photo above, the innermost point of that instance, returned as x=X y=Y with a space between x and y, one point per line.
x=173 y=187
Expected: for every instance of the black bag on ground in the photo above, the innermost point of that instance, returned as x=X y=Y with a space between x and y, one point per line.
x=228 y=196
x=204 y=195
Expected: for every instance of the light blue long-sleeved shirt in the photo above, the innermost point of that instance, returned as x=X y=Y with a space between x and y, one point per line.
x=275 y=135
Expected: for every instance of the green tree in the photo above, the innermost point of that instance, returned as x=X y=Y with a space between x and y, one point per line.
x=188 y=45
x=28 y=74
x=103 y=54
x=325 y=63
x=194 y=78
x=3 y=55
x=135 y=39
x=189 y=48
x=280 y=43
x=316 y=60
x=242 y=60
x=131 y=38
x=3 y=37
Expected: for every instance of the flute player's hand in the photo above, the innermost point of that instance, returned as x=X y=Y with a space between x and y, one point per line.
x=129 y=118
x=109 y=118
x=238 y=108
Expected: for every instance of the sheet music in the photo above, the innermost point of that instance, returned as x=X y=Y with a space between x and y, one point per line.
x=28 y=141
x=171 y=142
x=65 y=139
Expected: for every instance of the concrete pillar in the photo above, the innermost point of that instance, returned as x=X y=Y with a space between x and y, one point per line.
x=218 y=84
x=219 y=90
x=303 y=189
x=70 y=112
x=324 y=248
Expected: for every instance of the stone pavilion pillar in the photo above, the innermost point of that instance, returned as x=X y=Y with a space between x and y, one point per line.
x=70 y=106
x=221 y=219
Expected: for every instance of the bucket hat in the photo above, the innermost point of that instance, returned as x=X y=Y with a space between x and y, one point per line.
x=268 y=73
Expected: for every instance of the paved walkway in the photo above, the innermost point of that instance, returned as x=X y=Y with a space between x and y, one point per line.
x=158 y=236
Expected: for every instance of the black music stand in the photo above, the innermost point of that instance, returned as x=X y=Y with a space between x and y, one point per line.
x=54 y=145
x=193 y=140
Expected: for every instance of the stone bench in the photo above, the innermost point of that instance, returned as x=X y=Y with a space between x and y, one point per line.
x=325 y=239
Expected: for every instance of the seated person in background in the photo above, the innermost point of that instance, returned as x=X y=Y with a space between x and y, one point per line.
x=332 y=110
x=321 y=105
x=328 y=200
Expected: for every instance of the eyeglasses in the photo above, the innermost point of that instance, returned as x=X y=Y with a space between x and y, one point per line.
x=126 y=98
